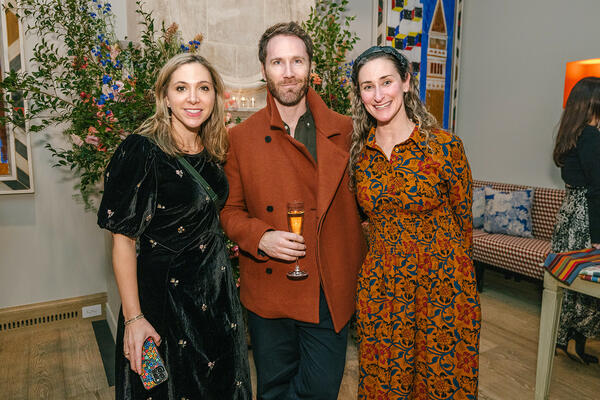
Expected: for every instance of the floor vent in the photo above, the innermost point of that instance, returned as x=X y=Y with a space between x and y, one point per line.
x=44 y=319
x=51 y=312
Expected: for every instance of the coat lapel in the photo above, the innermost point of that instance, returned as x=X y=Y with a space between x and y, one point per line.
x=332 y=167
x=331 y=171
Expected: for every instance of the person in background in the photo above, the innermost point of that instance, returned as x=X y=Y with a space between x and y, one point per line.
x=577 y=154
x=179 y=290
x=294 y=149
x=418 y=308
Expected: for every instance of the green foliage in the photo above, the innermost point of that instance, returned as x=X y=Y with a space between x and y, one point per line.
x=329 y=29
x=97 y=89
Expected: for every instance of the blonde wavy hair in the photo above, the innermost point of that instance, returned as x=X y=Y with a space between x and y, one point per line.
x=212 y=132
x=363 y=121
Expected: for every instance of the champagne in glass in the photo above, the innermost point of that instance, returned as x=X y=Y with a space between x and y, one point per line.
x=295 y=217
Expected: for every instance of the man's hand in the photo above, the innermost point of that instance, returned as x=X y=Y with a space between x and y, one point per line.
x=283 y=245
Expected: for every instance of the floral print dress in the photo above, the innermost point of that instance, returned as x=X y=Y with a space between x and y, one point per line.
x=418 y=308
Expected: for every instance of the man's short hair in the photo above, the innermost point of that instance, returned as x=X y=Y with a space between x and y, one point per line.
x=288 y=29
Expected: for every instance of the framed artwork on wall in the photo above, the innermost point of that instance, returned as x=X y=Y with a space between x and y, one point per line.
x=15 y=148
x=427 y=32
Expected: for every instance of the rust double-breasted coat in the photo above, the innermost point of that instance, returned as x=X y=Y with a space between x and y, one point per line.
x=266 y=168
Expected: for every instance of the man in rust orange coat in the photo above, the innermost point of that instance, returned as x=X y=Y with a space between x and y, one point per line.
x=294 y=149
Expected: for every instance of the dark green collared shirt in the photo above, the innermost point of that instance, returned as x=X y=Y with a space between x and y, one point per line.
x=306 y=132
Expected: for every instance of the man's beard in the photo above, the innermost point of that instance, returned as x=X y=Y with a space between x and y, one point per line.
x=288 y=97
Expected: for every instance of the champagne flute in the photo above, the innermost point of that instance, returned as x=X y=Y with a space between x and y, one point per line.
x=295 y=217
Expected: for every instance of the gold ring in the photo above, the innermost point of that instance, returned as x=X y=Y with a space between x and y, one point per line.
x=126 y=354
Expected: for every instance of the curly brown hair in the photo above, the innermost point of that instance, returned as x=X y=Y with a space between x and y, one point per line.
x=363 y=122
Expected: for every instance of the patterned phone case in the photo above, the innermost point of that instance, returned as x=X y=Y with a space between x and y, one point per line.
x=153 y=368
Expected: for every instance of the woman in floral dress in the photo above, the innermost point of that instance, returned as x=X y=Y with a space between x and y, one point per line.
x=577 y=153
x=418 y=308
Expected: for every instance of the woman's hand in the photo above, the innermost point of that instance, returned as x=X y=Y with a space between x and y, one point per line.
x=135 y=335
x=596 y=245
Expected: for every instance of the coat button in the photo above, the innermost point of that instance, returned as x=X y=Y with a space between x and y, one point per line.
x=268 y=139
x=269 y=271
x=270 y=208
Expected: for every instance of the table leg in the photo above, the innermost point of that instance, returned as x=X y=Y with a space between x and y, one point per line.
x=549 y=319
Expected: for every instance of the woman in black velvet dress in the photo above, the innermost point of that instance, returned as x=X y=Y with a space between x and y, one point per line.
x=577 y=153
x=179 y=288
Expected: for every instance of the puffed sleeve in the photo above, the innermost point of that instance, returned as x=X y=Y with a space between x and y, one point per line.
x=461 y=195
x=129 y=198
x=588 y=147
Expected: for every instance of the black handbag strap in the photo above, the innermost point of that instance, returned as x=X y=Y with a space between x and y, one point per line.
x=196 y=175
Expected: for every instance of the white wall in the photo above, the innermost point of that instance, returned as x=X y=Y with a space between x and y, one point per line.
x=50 y=248
x=512 y=77
x=362 y=25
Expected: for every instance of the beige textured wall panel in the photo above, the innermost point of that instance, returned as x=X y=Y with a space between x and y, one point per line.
x=231 y=31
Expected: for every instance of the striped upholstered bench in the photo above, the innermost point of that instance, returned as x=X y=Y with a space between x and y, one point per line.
x=519 y=254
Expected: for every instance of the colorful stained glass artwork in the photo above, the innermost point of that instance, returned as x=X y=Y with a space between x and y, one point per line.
x=423 y=30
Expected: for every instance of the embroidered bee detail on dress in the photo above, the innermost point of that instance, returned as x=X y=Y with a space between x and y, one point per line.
x=110 y=213
x=179 y=173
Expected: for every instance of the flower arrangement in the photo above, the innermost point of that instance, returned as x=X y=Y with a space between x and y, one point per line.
x=328 y=27
x=99 y=88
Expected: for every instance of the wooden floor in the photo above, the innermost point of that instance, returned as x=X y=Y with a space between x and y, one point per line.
x=63 y=361
x=56 y=362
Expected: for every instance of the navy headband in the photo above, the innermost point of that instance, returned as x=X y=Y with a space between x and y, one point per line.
x=366 y=55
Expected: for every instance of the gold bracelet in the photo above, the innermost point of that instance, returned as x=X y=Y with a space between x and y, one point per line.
x=131 y=320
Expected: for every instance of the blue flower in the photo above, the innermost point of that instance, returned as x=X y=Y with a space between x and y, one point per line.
x=99 y=5
x=101 y=102
x=106 y=79
x=108 y=112
x=93 y=15
x=111 y=96
x=115 y=87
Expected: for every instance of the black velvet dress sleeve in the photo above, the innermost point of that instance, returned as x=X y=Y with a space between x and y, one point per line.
x=130 y=187
x=588 y=146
